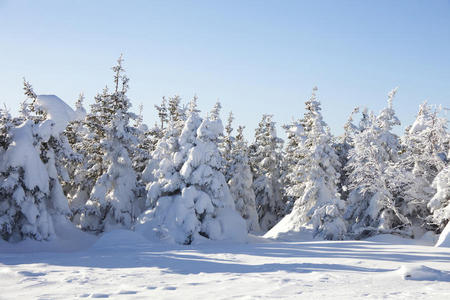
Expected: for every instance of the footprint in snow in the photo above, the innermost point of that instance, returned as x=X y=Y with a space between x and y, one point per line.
x=32 y=274
x=169 y=288
x=100 y=296
x=127 y=292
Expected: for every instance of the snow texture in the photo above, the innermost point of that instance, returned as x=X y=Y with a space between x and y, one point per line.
x=123 y=264
x=57 y=110
x=444 y=237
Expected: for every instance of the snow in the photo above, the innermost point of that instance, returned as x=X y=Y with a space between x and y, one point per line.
x=444 y=237
x=190 y=239
x=423 y=273
x=58 y=111
x=22 y=153
x=122 y=264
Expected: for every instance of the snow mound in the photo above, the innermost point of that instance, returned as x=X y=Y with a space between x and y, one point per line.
x=420 y=273
x=287 y=230
x=233 y=226
x=68 y=239
x=57 y=110
x=119 y=238
x=444 y=238
x=174 y=219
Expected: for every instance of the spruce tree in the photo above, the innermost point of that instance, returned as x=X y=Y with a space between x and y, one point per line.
x=189 y=197
x=314 y=178
x=342 y=147
x=265 y=161
x=423 y=154
x=31 y=195
x=372 y=207
x=241 y=180
x=106 y=180
x=439 y=205
x=225 y=146
x=291 y=155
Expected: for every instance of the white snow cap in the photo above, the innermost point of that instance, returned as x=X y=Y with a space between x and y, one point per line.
x=57 y=110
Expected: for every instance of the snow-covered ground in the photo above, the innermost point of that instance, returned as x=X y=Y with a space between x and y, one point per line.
x=123 y=264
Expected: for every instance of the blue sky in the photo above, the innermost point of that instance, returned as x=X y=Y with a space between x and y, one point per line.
x=254 y=56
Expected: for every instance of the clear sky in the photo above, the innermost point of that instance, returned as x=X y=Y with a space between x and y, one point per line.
x=254 y=56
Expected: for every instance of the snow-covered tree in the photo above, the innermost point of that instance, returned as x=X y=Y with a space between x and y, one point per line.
x=141 y=151
x=291 y=155
x=226 y=146
x=166 y=141
x=25 y=188
x=80 y=111
x=265 y=161
x=297 y=133
x=106 y=181
x=191 y=198
x=439 y=205
x=162 y=112
x=6 y=123
x=372 y=208
x=342 y=147
x=74 y=128
x=75 y=132
x=241 y=180
x=423 y=155
x=176 y=112
x=140 y=155
x=32 y=199
x=314 y=179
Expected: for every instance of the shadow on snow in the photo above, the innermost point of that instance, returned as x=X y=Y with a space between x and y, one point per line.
x=203 y=258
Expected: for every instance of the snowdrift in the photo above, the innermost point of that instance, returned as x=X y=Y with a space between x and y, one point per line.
x=290 y=229
x=444 y=238
x=119 y=238
x=422 y=273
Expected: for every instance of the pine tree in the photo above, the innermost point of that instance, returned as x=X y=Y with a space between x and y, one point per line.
x=265 y=160
x=226 y=146
x=75 y=133
x=162 y=112
x=241 y=180
x=423 y=150
x=342 y=147
x=167 y=145
x=6 y=123
x=176 y=112
x=30 y=192
x=144 y=144
x=74 y=127
x=106 y=181
x=439 y=205
x=140 y=155
x=372 y=208
x=291 y=155
x=80 y=111
x=25 y=194
x=190 y=198
x=314 y=179
x=55 y=151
